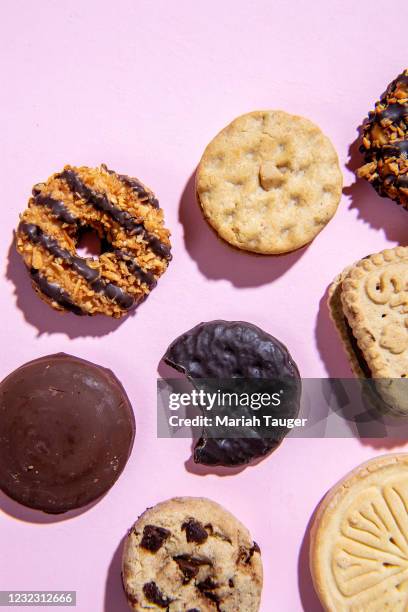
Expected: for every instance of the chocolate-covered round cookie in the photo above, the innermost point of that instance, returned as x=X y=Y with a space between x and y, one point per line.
x=66 y=432
x=231 y=350
x=385 y=143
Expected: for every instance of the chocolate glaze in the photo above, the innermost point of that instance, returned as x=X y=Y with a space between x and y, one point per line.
x=394 y=112
x=122 y=217
x=66 y=432
x=55 y=292
x=144 y=275
x=135 y=185
x=58 y=209
x=36 y=235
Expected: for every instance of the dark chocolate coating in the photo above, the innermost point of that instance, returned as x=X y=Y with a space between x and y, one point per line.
x=227 y=350
x=385 y=143
x=66 y=432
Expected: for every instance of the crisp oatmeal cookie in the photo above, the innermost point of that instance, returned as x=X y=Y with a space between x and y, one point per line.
x=269 y=182
x=127 y=218
x=385 y=143
x=188 y=554
x=369 y=304
x=359 y=539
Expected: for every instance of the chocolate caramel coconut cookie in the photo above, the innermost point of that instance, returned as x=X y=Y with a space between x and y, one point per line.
x=134 y=242
x=385 y=143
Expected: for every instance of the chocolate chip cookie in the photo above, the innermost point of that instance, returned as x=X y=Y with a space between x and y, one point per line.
x=188 y=554
x=125 y=214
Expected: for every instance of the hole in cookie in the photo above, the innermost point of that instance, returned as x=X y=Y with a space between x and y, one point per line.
x=385 y=564
x=383 y=315
x=377 y=286
x=89 y=243
x=403 y=375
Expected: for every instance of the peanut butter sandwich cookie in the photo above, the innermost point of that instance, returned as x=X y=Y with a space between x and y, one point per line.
x=385 y=143
x=188 y=554
x=269 y=182
x=368 y=303
x=359 y=539
x=126 y=216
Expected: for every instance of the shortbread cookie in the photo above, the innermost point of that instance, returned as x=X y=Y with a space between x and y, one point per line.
x=385 y=143
x=369 y=303
x=134 y=242
x=359 y=539
x=229 y=350
x=188 y=554
x=269 y=182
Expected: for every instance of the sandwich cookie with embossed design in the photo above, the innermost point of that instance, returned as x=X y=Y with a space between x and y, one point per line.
x=189 y=554
x=359 y=539
x=125 y=214
x=368 y=302
x=269 y=182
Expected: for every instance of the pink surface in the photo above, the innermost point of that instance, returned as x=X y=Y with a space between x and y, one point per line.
x=143 y=86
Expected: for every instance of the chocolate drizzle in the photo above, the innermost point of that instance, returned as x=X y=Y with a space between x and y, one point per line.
x=58 y=209
x=36 y=235
x=136 y=186
x=122 y=217
x=55 y=292
x=143 y=275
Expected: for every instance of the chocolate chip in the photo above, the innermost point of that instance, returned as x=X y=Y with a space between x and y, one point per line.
x=206 y=587
x=245 y=554
x=195 y=532
x=153 y=593
x=153 y=537
x=190 y=566
x=193 y=610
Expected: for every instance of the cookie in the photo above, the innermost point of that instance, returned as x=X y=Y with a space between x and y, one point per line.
x=231 y=350
x=385 y=143
x=66 y=432
x=269 y=182
x=188 y=554
x=125 y=214
x=369 y=304
x=359 y=550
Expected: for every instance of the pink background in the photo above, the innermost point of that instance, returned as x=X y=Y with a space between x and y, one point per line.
x=143 y=86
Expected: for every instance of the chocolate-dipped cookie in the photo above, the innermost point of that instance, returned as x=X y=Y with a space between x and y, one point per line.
x=127 y=218
x=66 y=432
x=385 y=143
x=190 y=554
x=231 y=350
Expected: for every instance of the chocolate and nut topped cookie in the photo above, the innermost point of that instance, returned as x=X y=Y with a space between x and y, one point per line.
x=135 y=246
x=189 y=554
x=385 y=143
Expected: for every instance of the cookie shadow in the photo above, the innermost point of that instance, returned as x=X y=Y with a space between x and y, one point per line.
x=329 y=344
x=44 y=318
x=115 y=598
x=309 y=599
x=379 y=213
x=24 y=514
x=217 y=260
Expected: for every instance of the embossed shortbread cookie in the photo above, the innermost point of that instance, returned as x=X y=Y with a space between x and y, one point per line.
x=188 y=554
x=359 y=539
x=269 y=182
x=369 y=304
